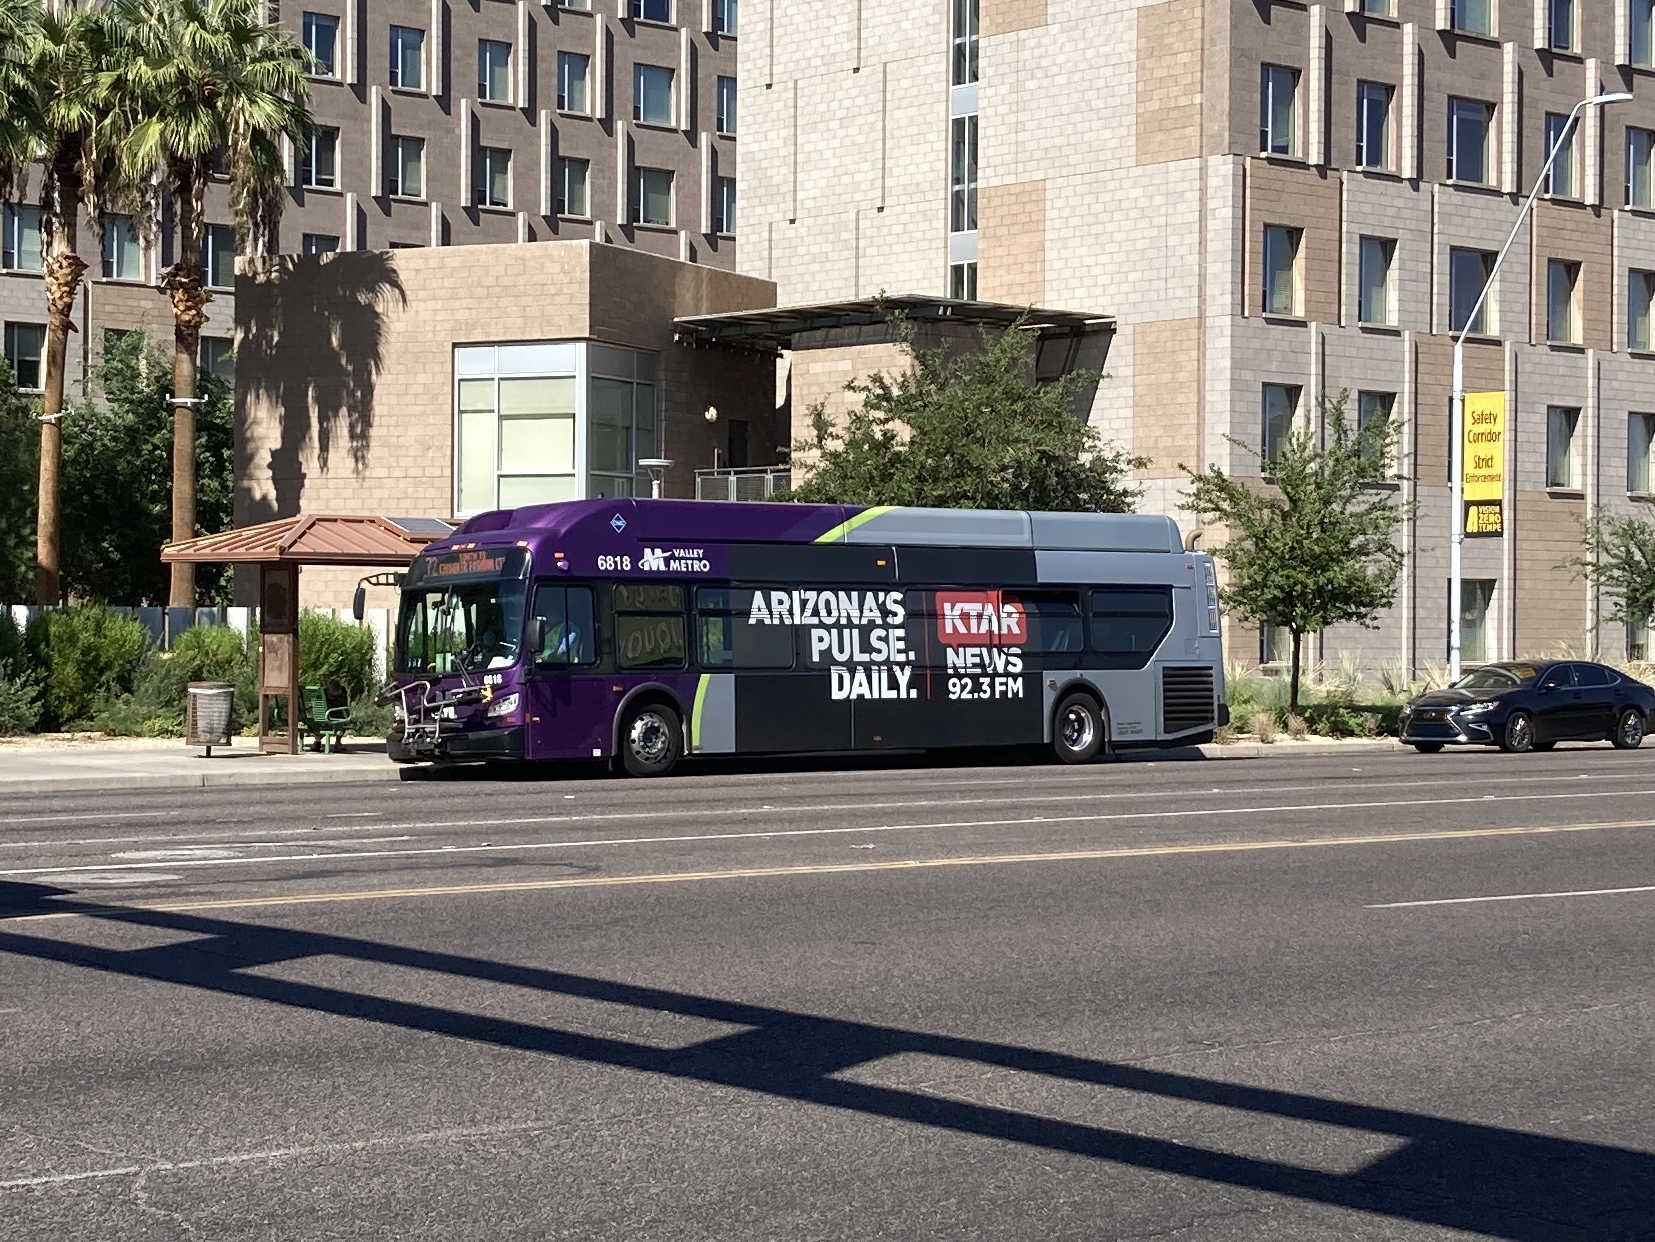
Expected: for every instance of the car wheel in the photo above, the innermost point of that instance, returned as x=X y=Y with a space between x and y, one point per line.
x=1519 y=735
x=652 y=740
x=1427 y=748
x=1077 y=729
x=1629 y=730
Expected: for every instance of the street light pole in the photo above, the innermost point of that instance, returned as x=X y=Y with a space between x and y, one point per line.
x=1456 y=436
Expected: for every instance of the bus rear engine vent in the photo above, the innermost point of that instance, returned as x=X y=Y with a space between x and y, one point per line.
x=1187 y=700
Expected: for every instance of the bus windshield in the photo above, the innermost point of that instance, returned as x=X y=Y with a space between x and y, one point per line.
x=462 y=612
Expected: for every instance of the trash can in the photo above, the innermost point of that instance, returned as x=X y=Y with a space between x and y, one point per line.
x=208 y=714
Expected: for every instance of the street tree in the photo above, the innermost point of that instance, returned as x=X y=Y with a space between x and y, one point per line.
x=1312 y=542
x=205 y=84
x=1620 y=562
x=966 y=429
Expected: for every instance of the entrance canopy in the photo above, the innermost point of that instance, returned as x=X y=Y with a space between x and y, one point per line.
x=312 y=539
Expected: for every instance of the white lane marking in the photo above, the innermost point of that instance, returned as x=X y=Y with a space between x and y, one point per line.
x=777 y=833
x=108 y=875
x=228 y=837
x=1470 y=901
x=231 y=851
x=353 y=814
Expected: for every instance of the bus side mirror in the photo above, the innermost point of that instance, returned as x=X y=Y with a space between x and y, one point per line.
x=537 y=637
x=359 y=602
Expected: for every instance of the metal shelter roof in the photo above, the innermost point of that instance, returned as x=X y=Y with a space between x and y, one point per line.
x=314 y=539
x=774 y=329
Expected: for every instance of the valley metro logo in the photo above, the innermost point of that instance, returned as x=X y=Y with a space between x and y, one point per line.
x=674 y=560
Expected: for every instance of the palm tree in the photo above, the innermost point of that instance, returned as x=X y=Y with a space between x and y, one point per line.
x=55 y=115
x=201 y=79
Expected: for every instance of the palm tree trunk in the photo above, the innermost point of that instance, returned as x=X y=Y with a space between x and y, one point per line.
x=63 y=270
x=185 y=286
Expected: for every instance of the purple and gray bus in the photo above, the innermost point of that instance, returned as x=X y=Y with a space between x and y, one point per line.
x=643 y=631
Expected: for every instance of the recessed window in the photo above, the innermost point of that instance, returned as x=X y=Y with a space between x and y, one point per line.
x=624 y=425
x=493 y=71
x=1281 y=269
x=962 y=281
x=218 y=255
x=1373 y=124
x=319 y=243
x=724 y=17
x=1472 y=16
x=652 y=95
x=1562 y=460
x=1374 y=300
x=122 y=253
x=493 y=177
x=1563 y=301
x=1560 y=26
x=1281 y=408
x=726 y=106
x=1641 y=33
x=652 y=10
x=652 y=197
x=515 y=426
x=1638 y=633
x=1468 y=272
x=1470 y=122
x=25 y=342
x=407 y=58
x=1378 y=8
x=1275 y=644
x=1640 y=448
x=218 y=358
x=1640 y=158
x=1640 y=309
x=1278 y=113
x=573 y=71
x=571 y=186
x=1476 y=597
x=1373 y=421
x=1561 y=181
x=320 y=168
x=405 y=167
x=724 y=205
x=965 y=29
x=962 y=175
x=20 y=249
x=321 y=37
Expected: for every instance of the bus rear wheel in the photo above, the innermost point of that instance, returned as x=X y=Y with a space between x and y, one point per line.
x=652 y=740
x=1077 y=729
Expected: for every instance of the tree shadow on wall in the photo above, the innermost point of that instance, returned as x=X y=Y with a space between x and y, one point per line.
x=311 y=348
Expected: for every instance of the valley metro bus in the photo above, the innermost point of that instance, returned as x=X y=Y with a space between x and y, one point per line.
x=645 y=630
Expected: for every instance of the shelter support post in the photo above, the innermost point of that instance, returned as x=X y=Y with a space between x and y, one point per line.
x=279 y=658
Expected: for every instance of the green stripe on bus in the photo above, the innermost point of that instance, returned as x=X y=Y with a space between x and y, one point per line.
x=695 y=712
x=845 y=528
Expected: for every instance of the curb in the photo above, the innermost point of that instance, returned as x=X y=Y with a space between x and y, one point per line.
x=1299 y=750
x=113 y=782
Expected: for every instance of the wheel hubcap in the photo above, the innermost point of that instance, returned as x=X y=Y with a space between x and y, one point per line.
x=648 y=738
x=1632 y=730
x=1077 y=728
x=1520 y=732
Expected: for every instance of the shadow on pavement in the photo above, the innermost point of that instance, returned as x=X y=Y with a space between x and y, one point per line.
x=1490 y=1180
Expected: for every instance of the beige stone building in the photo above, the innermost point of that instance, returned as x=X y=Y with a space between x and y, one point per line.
x=1275 y=200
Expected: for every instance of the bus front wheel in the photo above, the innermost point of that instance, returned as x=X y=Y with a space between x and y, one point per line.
x=1077 y=729
x=652 y=740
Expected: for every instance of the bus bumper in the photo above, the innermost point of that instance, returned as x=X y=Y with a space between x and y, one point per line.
x=420 y=746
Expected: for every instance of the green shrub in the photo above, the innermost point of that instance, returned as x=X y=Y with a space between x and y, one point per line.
x=156 y=704
x=19 y=702
x=13 y=654
x=84 y=657
x=341 y=649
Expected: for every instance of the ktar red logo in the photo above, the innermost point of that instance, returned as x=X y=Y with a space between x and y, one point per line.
x=980 y=619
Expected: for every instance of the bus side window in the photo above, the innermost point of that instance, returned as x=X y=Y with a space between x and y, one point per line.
x=569 y=628
x=1053 y=621
x=649 y=626
x=1129 y=623
x=728 y=637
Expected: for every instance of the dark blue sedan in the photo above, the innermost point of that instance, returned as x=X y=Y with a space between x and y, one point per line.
x=1532 y=705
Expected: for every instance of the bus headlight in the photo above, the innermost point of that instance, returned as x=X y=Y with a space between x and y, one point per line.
x=505 y=706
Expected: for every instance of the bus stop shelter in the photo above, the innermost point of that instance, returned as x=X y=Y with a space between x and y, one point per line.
x=280 y=549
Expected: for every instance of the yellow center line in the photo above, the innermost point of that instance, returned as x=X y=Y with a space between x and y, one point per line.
x=905 y=864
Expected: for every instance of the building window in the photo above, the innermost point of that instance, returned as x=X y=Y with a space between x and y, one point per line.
x=962 y=281
x=493 y=71
x=1373 y=124
x=321 y=36
x=1640 y=301
x=652 y=95
x=319 y=243
x=1560 y=135
x=965 y=32
x=122 y=254
x=514 y=432
x=1469 y=124
x=1560 y=26
x=1562 y=301
x=1373 y=419
x=724 y=205
x=407 y=58
x=1281 y=269
x=1640 y=447
x=1641 y=33
x=1562 y=461
x=218 y=358
x=1278 y=111
x=962 y=176
x=1476 y=596
x=1275 y=645
x=493 y=177
x=652 y=197
x=571 y=186
x=727 y=106
x=724 y=17
x=1378 y=8
x=652 y=10
x=573 y=69
x=25 y=342
x=218 y=255
x=1472 y=16
x=1637 y=638
x=1468 y=272
x=1640 y=186
x=623 y=427
x=1374 y=301
x=20 y=244
x=320 y=167
x=1281 y=407
x=405 y=169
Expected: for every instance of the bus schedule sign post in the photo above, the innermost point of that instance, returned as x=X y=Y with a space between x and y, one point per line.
x=1483 y=458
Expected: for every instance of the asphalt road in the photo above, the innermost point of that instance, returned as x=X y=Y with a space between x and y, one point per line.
x=1383 y=997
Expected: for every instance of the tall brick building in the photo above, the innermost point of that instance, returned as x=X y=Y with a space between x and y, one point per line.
x=1276 y=200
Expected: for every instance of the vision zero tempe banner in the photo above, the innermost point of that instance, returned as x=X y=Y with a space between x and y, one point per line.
x=890 y=667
